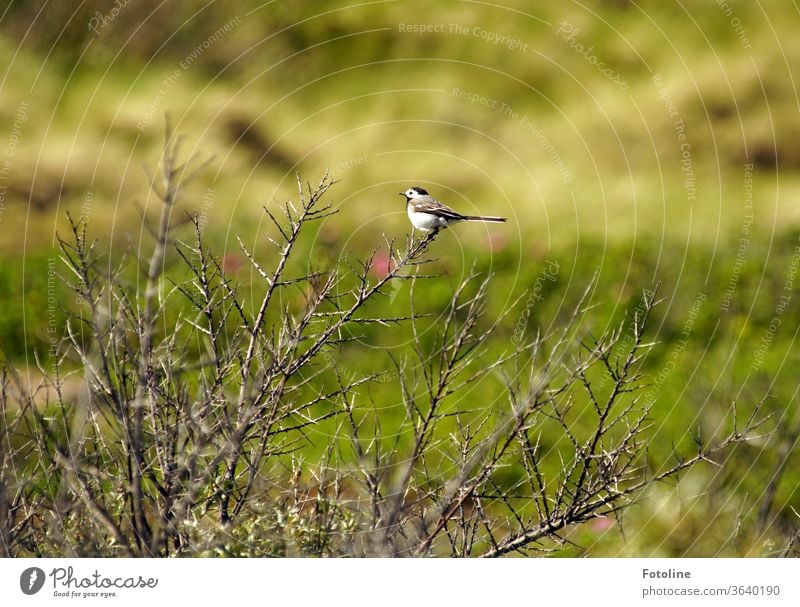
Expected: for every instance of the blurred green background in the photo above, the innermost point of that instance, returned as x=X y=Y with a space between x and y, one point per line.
x=652 y=142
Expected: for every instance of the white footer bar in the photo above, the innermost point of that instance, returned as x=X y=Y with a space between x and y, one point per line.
x=401 y=582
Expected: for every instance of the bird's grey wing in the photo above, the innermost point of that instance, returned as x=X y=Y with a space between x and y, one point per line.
x=434 y=207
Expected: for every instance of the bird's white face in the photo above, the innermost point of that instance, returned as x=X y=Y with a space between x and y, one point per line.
x=412 y=193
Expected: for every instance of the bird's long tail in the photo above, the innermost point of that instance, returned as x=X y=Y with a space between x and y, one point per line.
x=484 y=218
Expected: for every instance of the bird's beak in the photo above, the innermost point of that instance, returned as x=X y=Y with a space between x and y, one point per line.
x=402 y=193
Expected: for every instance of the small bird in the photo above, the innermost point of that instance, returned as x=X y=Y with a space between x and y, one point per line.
x=426 y=213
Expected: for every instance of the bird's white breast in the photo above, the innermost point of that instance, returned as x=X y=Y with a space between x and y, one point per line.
x=424 y=221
